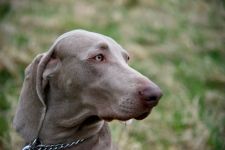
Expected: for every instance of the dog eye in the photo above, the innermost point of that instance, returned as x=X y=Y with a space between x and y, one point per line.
x=99 y=57
x=128 y=58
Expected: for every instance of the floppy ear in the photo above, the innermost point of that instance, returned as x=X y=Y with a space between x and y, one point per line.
x=32 y=102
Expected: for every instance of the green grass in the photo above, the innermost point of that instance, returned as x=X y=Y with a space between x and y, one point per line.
x=178 y=44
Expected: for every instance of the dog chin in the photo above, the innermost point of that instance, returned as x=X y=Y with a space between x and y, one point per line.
x=137 y=117
x=142 y=116
x=108 y=119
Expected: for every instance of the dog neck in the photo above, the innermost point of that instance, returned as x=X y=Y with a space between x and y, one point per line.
x=91 y=141
x=72 y=124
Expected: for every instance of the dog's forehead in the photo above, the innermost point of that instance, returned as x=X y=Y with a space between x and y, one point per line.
x=82 y=36
x=81 y=39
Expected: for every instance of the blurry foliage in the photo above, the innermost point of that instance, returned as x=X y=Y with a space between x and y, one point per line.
x=4 y=106
x=179 y=44
x=4 y=8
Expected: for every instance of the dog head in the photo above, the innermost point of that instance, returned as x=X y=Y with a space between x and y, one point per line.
x=83 y=74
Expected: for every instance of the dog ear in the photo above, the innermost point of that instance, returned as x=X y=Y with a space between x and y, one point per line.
x=29 y=110
x=32 y=107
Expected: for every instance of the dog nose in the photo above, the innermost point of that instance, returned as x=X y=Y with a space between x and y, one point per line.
x=150 y=94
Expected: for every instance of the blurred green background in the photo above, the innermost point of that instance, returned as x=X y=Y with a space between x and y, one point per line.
x=179 y=44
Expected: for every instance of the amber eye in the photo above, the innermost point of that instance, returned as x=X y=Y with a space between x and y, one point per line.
x=99 y=57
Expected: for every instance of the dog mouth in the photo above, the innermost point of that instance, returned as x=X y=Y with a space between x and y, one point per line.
x=132 y=115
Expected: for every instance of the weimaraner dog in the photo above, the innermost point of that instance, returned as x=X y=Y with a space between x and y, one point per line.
x=70 y=93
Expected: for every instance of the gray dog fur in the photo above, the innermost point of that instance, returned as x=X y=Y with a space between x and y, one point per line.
x=72 y=90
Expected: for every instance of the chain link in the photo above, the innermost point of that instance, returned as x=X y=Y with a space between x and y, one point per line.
x=35 y=146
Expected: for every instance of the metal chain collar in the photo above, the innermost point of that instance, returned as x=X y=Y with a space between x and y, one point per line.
x=36 y=145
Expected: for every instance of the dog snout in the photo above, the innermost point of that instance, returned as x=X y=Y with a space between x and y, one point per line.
x=150 y=95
